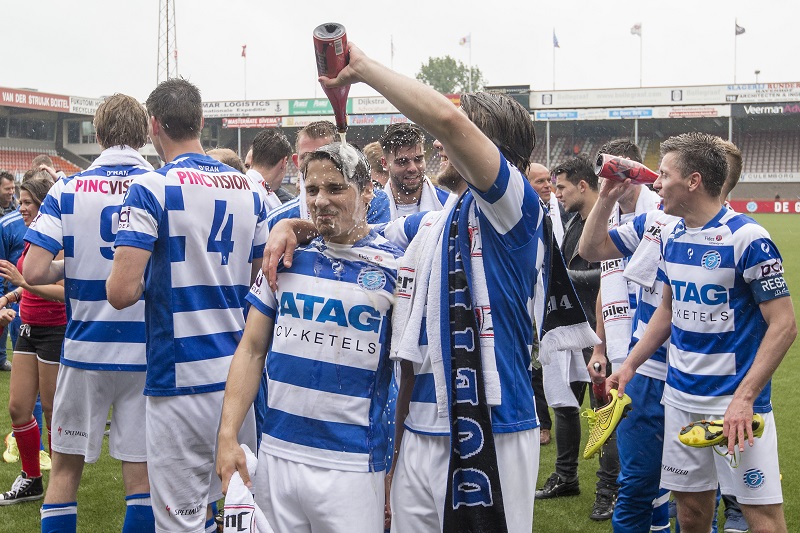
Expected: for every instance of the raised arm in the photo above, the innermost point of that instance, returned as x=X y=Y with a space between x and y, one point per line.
x=595 y=243
x=472 y=153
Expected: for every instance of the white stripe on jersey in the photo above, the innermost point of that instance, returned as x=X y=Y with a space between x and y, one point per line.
x=700 y=364
x=206 y=322
x=85 y=354
x=292 y=451
x=199 y=373
x=319 y=405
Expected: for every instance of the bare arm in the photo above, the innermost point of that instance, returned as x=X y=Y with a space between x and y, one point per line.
x=781 y=333
x=244 y=377
x=125 y=285
x=656 y=334
x=281 y=243
x=41 y=268
x=53 y=292
x=599 y=351
x=595 y=243
x=472 y=153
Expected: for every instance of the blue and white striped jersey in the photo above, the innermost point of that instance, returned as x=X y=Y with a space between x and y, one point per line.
x=12 y=234
x=204 y=223
x=328 y=366
x=80 y=216
x=627 y=238
x=718 y=274
x=509 y=227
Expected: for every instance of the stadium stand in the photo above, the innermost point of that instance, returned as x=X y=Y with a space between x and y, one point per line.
x=770 y=151
x=17 y=160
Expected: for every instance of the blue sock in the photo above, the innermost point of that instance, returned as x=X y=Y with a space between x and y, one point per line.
x=37 y=414
x=211 y=523
x=59 y=517
x=139 y=514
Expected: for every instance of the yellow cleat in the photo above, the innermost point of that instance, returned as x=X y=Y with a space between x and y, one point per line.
x=705 y=433
x=44 y=460
x=603 y=421
x=11 y=453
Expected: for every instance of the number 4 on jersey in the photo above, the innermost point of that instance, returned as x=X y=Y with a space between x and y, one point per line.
x=223 y=244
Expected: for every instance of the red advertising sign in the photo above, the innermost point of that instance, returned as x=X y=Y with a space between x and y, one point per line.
x=252 y=122
x=766 y=206
x=33 y=100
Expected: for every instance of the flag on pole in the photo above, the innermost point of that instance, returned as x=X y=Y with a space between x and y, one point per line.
x=555 y=40
x=739 y=29
x=244 y=50
x=636 y=29
x=465 y=40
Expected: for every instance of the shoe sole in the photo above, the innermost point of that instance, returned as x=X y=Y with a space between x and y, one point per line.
x=22 y=499
x=606 y=423
x=704 y=433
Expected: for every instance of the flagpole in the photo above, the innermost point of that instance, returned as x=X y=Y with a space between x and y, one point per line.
x=640 y=59
x=735 y=46
x=391 y=48
x=470 y=61
x=554 y=59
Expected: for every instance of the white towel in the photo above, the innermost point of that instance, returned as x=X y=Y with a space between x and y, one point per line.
x=120 y=155
x=617 y=314
x=642 y=267
x=554 y=212
x=428 y=201
x=420 y=284
x=241 y=511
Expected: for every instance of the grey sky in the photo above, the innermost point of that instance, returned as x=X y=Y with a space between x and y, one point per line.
x=93 y=48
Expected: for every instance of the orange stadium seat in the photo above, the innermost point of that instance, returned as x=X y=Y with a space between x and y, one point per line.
x=17 y=160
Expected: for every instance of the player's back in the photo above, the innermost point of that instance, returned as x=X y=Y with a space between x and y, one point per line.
x=204 y=223
x=80 y=216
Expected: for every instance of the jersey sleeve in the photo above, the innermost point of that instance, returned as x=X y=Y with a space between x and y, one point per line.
x=262 y=297
x=761 y=266
x=401 y=231
x=511 y=206
x=379 y=211
x=140 y=214
x=260 y=236
x=46 y=231
x=628 y=236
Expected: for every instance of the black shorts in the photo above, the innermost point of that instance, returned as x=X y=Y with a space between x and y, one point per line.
x=45 y=342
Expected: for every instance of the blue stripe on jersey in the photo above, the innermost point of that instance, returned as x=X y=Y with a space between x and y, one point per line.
x=324 y=435
x=424 y=389
x=135 y=239
x=201 y=347
x=321 y=376
x=87 y=290
x=43 y=241
x=106 y=331
x=498 y=188
x=442 y=195
x=197 y=297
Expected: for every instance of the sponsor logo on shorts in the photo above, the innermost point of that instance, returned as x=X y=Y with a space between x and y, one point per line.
x=674 y=470
x=753 y=478
x=187 y=511
x=72 y=433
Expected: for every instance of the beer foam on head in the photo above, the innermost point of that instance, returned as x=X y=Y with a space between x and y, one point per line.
x=349 y=157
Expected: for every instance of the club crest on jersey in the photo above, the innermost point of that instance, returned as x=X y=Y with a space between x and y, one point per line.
x=711 y=260
x=690 y=252
x=765 y=247
x=371 y=279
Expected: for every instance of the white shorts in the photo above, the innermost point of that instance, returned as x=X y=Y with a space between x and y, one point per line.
x=756 y=481
x=302 y=498
x=420 y=480
x=181 y=457
x=80 y=411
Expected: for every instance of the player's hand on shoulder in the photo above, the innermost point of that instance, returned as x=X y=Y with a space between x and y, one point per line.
x=281 y=243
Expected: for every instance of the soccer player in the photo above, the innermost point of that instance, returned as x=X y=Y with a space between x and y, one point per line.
x=488 y=143
x=322 y=458
x=726 y=312
x=267 y=160
x=310 y=138
x=103 y=361
x=409 y=190
x=190 y=240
